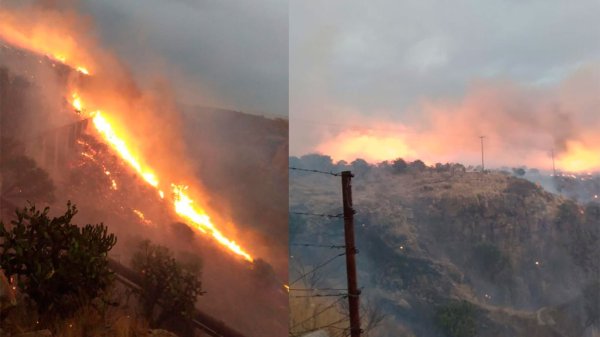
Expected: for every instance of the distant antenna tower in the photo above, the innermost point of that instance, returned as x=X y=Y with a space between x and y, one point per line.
x=482 y=158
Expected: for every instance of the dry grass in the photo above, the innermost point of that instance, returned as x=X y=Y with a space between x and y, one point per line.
x=90 y=322
x=97 y=319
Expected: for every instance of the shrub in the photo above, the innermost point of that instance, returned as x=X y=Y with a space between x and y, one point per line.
x=399 y=165
x=457 y=319
x=172 y=285
x=61 y=267
x=489 y=261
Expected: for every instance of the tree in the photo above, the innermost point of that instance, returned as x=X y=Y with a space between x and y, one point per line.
x=457 y=319
x=166 y=282
x=60 y=266
x=417 y=166
x=399 y=165
x=360 y=166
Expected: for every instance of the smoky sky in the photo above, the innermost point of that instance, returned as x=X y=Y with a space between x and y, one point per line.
x=361 y=60
x=229 y=53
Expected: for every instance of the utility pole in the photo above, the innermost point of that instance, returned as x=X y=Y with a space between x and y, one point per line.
x=553 y=165
x=351 y=252
x=482 y=162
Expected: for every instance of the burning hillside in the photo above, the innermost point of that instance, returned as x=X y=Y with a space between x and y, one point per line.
x=119 y=152
x=111 y=125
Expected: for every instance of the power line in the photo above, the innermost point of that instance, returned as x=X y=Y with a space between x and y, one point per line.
x=330 y=325
x=320 y=295
x=321 y=215
x=317 y=246
x=317 y=289
x=317 y=267
x=333 y=304
x=315 y=171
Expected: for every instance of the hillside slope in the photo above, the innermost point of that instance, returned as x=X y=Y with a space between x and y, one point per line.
x=427 y=237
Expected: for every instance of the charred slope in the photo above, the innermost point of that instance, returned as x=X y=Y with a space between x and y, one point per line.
x=430 y=236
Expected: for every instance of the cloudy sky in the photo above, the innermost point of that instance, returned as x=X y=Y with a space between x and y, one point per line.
x=233 y=53
x=352 y=62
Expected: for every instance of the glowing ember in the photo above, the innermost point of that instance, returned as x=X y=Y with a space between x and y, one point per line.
x=83 y=70
x=77 y=103
x=142 y=217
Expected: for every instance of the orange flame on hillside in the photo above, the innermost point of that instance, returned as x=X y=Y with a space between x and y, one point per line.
x=183 y=204
x=57 y=35
x=578 y=158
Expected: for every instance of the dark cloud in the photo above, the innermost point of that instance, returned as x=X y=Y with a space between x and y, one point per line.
x=230 y=53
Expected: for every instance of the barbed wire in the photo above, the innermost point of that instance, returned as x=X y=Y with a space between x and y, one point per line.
x=331 y=325
x=321 y=295
x=315 y=315
x=317 y=267
x=317 y=246
x=318 y=289
x=341 y=215
x=336 y=174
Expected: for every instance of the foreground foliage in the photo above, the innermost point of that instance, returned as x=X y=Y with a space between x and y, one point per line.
x=59 y=266
x=166 y=283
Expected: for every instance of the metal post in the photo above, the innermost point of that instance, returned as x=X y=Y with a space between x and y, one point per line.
x=351 y=251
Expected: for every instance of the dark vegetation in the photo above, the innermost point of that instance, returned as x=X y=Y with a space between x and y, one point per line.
x=59 y=266
x=59 y=269
x=170 y=288
x=457 y=319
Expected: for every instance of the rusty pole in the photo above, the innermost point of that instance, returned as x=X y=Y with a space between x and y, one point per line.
x=353 y=291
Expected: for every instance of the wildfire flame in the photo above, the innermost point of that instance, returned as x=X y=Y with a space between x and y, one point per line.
x=184 y=207
x=182 y=202
x=106 y=130
x=46 y=32
x=578 y=158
